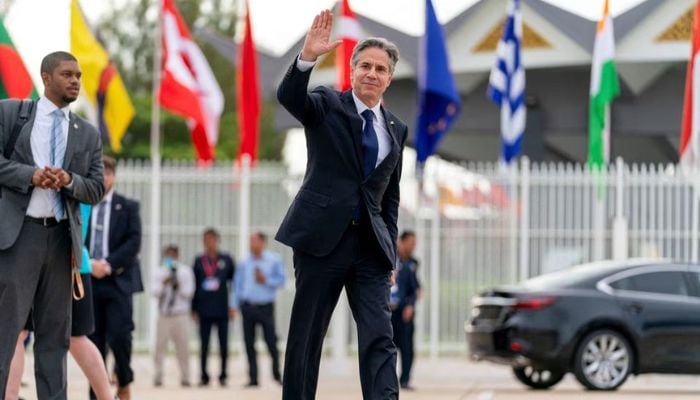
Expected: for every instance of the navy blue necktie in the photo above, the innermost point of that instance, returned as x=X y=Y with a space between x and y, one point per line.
x=370 y=144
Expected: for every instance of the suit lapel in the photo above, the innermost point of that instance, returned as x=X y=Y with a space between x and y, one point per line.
x=391 y=127
x=23 y=146
x=70 y=144
x=115 y=213
x=393 y=152
x=355 y=126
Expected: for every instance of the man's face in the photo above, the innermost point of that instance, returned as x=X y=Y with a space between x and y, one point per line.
x=408 y=245
x=211 y=242
x=171 y=253
x=109 y=180
x=62 y=85
x=371 y=75
x=257 y=245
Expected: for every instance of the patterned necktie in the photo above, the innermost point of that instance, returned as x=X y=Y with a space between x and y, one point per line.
x=370 y=144
x=56 y=155
x=97 y=246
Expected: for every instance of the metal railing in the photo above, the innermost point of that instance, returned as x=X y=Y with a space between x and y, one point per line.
x=478 y=225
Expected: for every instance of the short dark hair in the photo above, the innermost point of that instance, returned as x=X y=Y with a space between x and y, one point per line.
x=212 y=232
x=172 y=247
x=407 y=234
x=261 y=236
x=110 y=164
x=381 y=43
x=51 y=61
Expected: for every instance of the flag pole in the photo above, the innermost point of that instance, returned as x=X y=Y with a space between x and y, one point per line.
x=154 y=232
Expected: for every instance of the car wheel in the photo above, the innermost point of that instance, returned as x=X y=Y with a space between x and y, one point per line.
x=538 y=378
x=604 y=360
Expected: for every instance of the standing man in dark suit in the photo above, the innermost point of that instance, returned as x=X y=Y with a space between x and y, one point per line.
x=403 y=298
x=213 y=273
x=342 y=223
x=114 y=241
x=54 y=164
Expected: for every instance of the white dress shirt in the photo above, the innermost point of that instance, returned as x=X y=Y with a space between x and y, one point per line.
x=105 y=230
x=379 y=127
x=41 y=202
x=383 y=137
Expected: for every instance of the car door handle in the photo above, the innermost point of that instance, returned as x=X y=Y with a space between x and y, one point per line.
x=634 y=308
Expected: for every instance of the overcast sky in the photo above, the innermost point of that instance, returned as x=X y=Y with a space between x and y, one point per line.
x=38 y=33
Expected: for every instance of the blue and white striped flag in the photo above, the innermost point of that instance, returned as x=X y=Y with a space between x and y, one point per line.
x=507 y=83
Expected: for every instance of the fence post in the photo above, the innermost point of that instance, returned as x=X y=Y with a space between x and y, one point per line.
x=620 y=234
x=524 y=218
x=435 y=270
x=244 y=207
x=512 y=169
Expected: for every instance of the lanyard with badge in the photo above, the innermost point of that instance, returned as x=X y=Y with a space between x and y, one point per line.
x=211 y=282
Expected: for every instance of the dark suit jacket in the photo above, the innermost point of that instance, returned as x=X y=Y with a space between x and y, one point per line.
x=124 y=243
x=407 y=283
x=214 y=304
x=334 y=181
x=83 y=160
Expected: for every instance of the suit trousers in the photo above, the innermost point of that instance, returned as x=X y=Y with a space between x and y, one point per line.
x=173 y=328
x=205 y=324
x=263 y=315
x=403 y=338
x=113 y=326
x=358 y=265
x=36 y=273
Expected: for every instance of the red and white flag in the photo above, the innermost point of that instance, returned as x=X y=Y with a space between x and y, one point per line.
x=349 y=32
x=690 y=128
x=248 y=93
x=188 y=87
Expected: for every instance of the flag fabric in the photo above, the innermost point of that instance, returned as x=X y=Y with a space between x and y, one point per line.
x=248 y=93
x=101 y=82
x=507 y=83
x=690 y=127
x=438 y=98
x=604 y=88
x=349 y=32
x=15 y=81
x=188 y=87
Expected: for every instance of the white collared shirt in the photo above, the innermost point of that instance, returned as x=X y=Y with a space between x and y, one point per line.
x=383 y=136
x=105 y=224
x=40 y=204
x=379 y=127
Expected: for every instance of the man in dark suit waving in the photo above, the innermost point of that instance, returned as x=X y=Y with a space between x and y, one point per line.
x=49 y=162
x=342 y=223
x=114 y=241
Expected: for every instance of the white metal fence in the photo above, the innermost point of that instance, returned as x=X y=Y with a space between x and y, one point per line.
x=489 y=226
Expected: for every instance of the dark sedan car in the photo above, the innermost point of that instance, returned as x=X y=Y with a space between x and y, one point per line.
x=601 y=321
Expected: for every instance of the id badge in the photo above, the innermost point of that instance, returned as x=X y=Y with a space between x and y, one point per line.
x=210 y=284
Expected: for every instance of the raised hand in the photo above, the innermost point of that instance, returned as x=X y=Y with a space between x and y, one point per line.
x=317 y=41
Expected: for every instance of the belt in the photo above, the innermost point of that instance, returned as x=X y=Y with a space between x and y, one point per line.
x=46 y=221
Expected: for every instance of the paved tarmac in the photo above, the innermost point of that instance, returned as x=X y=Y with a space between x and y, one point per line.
x=450 y=379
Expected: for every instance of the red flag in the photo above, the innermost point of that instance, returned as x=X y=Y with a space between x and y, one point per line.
x=690 y=128
x=248 y=93
x=188 y=87
x=349 y=32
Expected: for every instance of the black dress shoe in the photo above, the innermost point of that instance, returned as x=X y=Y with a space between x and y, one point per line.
x=222 y=382
x=250 y=385
x=203 y=383
x=406 y=386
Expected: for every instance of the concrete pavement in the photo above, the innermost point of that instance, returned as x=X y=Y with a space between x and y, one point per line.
x=449 y=379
